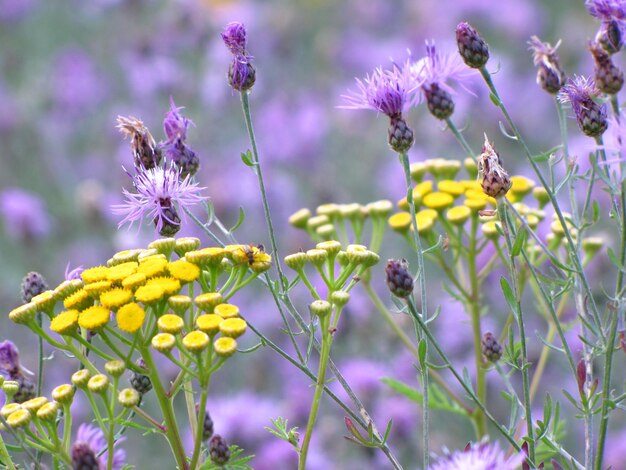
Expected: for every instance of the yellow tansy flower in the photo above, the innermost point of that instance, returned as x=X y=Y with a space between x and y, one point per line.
x=115 y=298
x=163 y=245
x=451 y=187
x=521 y=186
x=149 y=294
x=207 y=301
x=65 y=322
x=225 y=346
x=186 y=244
x=9 y=408
x=299 y=218
x=130 y=317
x=18 y=418
x=179 y=303
x=226 y=311
x=98 y=383
x=475 y=204
x=196 y=341
x=67 y=288
x=134 y=281
x=400 y=222
x=34 y=404
x=490 y=229
x=317 y=221
x=96 y=288
x=63 y=393
x=79 y=300
x=438 y=201
x=49 y=411
x=95 y=274
x=44 y=301
x=163 y=342
x=169 y=285
x=170 y=323
x=122 y=271
x=233 y=327
x=209 y=323
x=211 y=256
x=23 y=313
x=94 y=317
x=458 y=214
x=126 y=256
x=153 y=266
x=183 y=270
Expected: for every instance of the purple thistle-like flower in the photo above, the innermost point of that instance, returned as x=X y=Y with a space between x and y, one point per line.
x=607 y=10
x=175 y=125
x=24 y=214
x=550 y=75
x=235 y=38
x=90 y=441
x=71 y=274
x=437 y=68
x=482 y=456
x=9 y=359
x=160 y=193
x=387 y=91
x=591 y=117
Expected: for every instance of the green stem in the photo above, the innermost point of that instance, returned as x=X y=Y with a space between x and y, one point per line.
x=4 y=455
x=319 y=389
x=200 y=423
x=460 y=139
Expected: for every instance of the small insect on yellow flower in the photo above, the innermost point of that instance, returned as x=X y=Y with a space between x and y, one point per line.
x=233 y=327
x=163 y=342
x=94 y=317
x=196 y=341
x=225 y=346
x=209 y=323
x=65 y=322
x=115 y=298
x=170 y=323
x=226 y=311
x=95 y=274
x=130 y=317
x=183 y=270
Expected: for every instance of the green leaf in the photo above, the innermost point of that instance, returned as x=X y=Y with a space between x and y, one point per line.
x=520 y=239
x=422 y=349
x=404 y=389
x=614 y=259
x=508 y=295
x=595 y=207
x=246 y=158
x=240 y=219
x=494 y=99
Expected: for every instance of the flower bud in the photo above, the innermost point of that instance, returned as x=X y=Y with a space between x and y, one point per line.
x=608 y=77
x=98 y=383
x=115 y=368
x=64 y=393
x=495 y=180
x=207 y=424
x=163 y=342
x=196 y=341
x=129 y=397
x=339 y=298
x=490 y=347
x=49 y=411
x=400 y=135
x=399 y=279
x=81 y=377
x=296 y=261
x=185 y=244
x=317 y=257
x=163 y=245
x=18 y=418
x=218 y=450
x=321 y=308
x=33 y=284
x=225 y=346
x=299 y=218
x=438 y=101
x=140 y=382
x=472 y=46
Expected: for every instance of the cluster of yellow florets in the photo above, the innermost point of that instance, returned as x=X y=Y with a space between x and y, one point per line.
x=135 y=283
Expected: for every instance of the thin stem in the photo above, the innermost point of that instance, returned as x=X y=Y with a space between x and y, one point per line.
x=5 y=457
x=319 y=389
x=460 y=139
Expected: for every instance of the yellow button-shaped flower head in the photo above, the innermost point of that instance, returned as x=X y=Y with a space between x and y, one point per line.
x=454 y=188
x=64 y=393
x=9 y=408
x=121 y=271
x=296 y=261
x=179 y=303
x=81 y=377
x=115 y=368
x=163 y=245
x=210 y=256
x=95 y=274
x=438 y=201
x=163 y=342
x=225 y=346
x=96 y=288
x=34 y=404
x=458 y=214
x=490 y=229
x=476 y=203
x=169 y=285
x=196 y=341
x=400 y=222
x=44 y=301
x=227 y=311
x=134 y=281
x=207 y=301
x=115 y=298
x=94 y=317
x=126 y=256
x=170 y=323
x=98 y=383
x=299 y=219
x=130 y=317
x=209 y=323
x=153 y=266
x=67 y=288
x=521 y=186
x=65 y=322
x=128 y=397
x=332 y=247
x=183 y=270
x=425 y=220
x=18 y=418
x=24 y=313
x=49 y=411
x=185 y=244
x=149 y=294
x=79 y=300
x=233 y=327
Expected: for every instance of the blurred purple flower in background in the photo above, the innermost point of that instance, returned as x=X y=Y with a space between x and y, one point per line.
x=15 y=10
x=90 y=441
x=482 y=456
x=24 y=214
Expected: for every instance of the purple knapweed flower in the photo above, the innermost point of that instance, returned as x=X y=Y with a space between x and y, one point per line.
x=175 y=126
x=550 y=75
x=612 y=15
x=90 y=441
x=241 y=73
x=160 y=194
x=433 y=72
x=71 y=274
x=591 y=117
x=9 y=359
x=482 y=456
x=24 y=214
x=390 y=92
